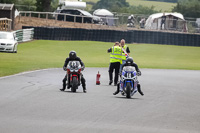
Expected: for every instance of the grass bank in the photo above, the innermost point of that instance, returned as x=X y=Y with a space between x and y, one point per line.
x=163 y=6
x=42 y=54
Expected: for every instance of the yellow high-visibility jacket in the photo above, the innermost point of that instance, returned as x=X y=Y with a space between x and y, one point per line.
x=116 y=54
x=123 y=54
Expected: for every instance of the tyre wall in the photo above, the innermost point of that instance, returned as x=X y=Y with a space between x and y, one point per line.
x=131 y=36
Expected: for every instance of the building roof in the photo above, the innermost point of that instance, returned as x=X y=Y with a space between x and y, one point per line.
x=6 y=6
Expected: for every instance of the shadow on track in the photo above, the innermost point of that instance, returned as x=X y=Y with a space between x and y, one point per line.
x=123 y=97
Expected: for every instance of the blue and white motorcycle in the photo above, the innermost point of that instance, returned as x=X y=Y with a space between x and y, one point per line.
x=129 y=81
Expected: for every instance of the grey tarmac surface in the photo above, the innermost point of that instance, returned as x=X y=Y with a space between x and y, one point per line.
x=32 y=103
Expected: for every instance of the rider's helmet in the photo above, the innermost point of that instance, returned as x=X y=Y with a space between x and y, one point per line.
x=129 y=60
x=72 y=55
x=132 y=16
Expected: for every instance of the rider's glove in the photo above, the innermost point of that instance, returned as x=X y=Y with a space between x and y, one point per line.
x=120 y=74
x=139 y=73
x=65 y=68
x=82 y=68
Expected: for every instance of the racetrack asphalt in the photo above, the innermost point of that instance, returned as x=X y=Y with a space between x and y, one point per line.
x=32 y=102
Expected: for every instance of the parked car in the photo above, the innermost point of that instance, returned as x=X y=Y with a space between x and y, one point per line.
x=83 y=16
x=8 y=42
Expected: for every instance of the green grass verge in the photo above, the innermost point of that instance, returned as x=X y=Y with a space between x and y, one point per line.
x=42 y=54
x=163 y=6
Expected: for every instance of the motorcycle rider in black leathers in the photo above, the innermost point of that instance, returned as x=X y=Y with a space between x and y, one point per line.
x=129 y=62
x=73 y=57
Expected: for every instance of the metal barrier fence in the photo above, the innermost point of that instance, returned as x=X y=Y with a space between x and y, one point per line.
x=131 y=36
x=5 y=24
x=120 y=21
x=24 y=35
x=65 y=17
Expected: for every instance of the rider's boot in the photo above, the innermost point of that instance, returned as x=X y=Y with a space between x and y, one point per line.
x=64 y=85
x=110 y=82
x=68 y=83
x=83 y=84
x=84 y=89
x=68 y=86
x=117 y=91
x=139 y=90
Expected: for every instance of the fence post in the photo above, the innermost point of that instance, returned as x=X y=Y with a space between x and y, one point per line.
x=65 y=17
x=92 y=23
x=56 y=17
x=74 y=20
x=0 y=25
x=19 y=17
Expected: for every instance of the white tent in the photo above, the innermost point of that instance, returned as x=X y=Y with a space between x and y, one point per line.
x=174 y=21
x=107 y=16
x=102 y=12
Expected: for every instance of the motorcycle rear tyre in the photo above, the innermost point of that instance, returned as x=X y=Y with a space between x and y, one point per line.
x=74 y=84
x=128 y=90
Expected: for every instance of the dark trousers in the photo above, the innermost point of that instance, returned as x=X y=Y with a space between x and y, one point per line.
x=114 y=66
x=162 y=23
x=82 y=81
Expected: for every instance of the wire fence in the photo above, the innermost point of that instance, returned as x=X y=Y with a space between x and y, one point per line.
x=118 y=21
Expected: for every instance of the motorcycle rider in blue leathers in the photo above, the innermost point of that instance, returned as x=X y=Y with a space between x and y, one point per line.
x=129 y=62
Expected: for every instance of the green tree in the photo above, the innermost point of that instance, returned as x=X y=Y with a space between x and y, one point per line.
x=46 y=5
x=26 y=5
x=43 y=5
x=54 y=5
x=189 y=8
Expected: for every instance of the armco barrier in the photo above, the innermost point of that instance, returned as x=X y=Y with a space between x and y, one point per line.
x=24 y=35
x=132 y=36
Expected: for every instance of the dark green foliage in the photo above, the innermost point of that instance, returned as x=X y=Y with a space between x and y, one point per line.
x=43 y=5
x=189 y=8
x=46 y=5
x=25 y=5
x=8 y=1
